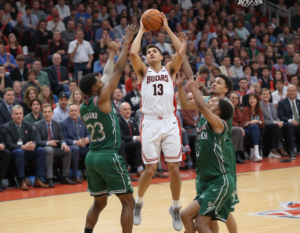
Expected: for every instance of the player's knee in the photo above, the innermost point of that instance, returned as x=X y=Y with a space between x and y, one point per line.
x=150 y=170
x=173 y=168
x=184 y=216
x=200 y=226
x=100 y=205
x=128 y=202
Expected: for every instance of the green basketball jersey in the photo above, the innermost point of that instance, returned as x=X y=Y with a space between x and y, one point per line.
x=210 y=150
x=104 y=128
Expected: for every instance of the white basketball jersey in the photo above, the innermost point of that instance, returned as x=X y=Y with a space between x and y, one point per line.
x=157 y=93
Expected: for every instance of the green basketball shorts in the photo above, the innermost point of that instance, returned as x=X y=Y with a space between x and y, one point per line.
x=106 y=173
x=212 y=196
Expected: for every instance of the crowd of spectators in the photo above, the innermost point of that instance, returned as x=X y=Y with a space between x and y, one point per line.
x=47 y=46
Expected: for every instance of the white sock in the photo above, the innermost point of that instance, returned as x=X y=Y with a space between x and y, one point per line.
x=175 y=204
x=138 y=199
x=256 y=148
x=140 y=168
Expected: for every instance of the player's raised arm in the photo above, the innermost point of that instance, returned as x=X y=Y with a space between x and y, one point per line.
x=213 y=119
x=109 y=67
x=113 y=82
x=137 y=64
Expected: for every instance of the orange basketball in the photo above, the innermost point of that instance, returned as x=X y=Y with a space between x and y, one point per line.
x=151 y=20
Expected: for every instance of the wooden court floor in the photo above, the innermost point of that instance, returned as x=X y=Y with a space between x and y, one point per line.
x=258 y=191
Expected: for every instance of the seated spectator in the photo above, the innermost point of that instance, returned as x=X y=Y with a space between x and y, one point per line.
x=89 y=32
x=46 y=96
x=37 y=11
x=201 y=79
x=100 y=64
x=76 y=97
x=252 y=50
x=190 y=117
x=61 y=112
x=233 y=52
x=40 y=37
x=72 y=17
x=247 y=69
x=214 y=74
x=120 y=7
x=243 y=90
x=103 y=13
x=244 y=56
x=191 y=52
x=288 y=112
x=36 y=114
x=21 y=141
x=237 y=67
x=96 y=22
x=81 y=52
x=32 y=82
x=253 y=121
x=17 y=87
x=241 y=31
x=77 y=138
x=6 y=105
x=296 y=83
x=63 y=9
x=72 y=86
x=225 y=68
x=5 y=80
x=117 y=97
x=255 y=71
x=265 y=80
x=13 y=46
x=119 y=31
x=124 y=78
x=208 y=62
x=130 y=134
x=20 y=72
x=21 y=6
x=279 y=66
x=294 y=66
x=58 y=75
x=280 y=76
x=69 y=34
x=57 y=45
x=55 y=24
x=164 y=47
x=99 y=32
x=273 y=126
x=255 y=34
x=6 y=59
x=217 y=51
x=256 y=88
x=4 y=160
x=237 y=130
x=41 y=76
x=288 y=57
x=30 y=23
x=50 y=14
x=284 y=38
x=261 y=61
x=133 y=97
x=30 y=94
x=149 y=39
x=49 y=136
x=128 y=82
x=270 y=59
x=81 y=14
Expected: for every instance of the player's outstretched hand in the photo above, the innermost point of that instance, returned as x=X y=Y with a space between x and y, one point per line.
x=142 y=28
x=112 y=45
x=131 y=30
x=192 y=83
x=179 y=80
x=182 y=37
x=165 y=21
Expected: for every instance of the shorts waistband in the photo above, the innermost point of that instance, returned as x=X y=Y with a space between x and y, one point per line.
x=158 y=117
x=105 y=150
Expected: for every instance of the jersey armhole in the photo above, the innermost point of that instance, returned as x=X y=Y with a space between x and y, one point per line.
x=219 y=135
x=143 y=77
x=169 y=74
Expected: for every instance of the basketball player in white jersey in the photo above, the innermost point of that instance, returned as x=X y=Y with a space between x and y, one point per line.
x=160 y=128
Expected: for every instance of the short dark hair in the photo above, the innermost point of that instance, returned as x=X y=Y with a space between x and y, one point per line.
x=2 y=42
x=226 y=57
x=216 y=68
x=28 y=7
x=47 y=106
x=237 y=39
x=31 y=71
x=279 y=80
x=265 y=68
x=72 y=8
x=236 y=56
x=153 y=46
x=7 y=89
x=243 y=78
x=226 y=109
x=73 y=81
x=96 y=11
x=228 y=82
x=35 y=99
x=247 y=66
x=293 y=75
x=87 y=82
x=204 y=70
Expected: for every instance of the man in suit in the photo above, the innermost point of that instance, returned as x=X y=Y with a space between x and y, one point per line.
x=17 y=87
x=117 y=97
x=19 y=73
x=133 y=97
x=49 y=135
x=20 y=140
x=130 y=134
x=77 y=137
x=288 y=111
x=58 y=75
x=119 y=31
x=6 y=105
x=225 y=68
x=273 y=125
x=4 y=160
x=190 y=117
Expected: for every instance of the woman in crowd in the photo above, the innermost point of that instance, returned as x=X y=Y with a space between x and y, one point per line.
x=255 y=69
x=272 y=126
x=191 y=53
x=46 y=96
x=217 y=51
x=135 y=10
x=270 y=58
x=253 y=121
x=201 y=49
x=30 y=94
x=244 y=56
x=241 y=31
x=265 y=40
x=13 y=46
x=48 y=7
x=225 y=41
x=237 y=130
x=124 y=13
x=247 y=69
x=57 y=45
x=76 y=97
x=128 y=82
x=125 y=76
x=183 y=22
x=261 y=61
x=279 y=75
x=231 y=32
x=210 y=22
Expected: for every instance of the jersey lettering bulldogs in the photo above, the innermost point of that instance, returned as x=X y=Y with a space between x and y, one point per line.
x=157 y=93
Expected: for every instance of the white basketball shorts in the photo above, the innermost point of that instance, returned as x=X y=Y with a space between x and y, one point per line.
x=161 y=133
